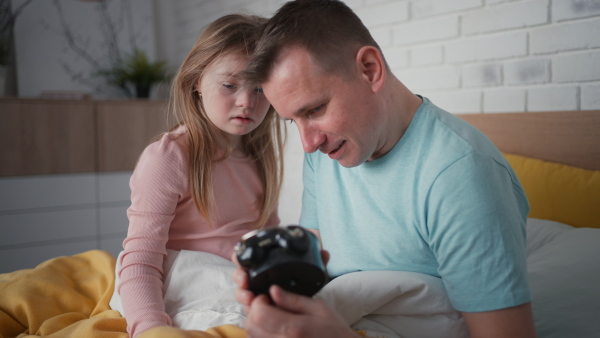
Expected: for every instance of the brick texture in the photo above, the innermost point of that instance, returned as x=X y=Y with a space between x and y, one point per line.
x=553 y=98
x=576 y=67
x=565 y=37
x=574 y=9
x=504 y=100
x=527 y=71
x=514 y=15
x=590 y=97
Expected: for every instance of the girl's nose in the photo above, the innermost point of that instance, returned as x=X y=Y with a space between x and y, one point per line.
x=246 y=98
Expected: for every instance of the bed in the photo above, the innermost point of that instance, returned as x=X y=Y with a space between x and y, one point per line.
x=556 y=156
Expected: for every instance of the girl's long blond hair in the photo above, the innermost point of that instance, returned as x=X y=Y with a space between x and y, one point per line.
x=237 y=34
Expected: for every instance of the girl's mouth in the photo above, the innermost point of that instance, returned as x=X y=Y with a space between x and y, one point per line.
x=242 y=119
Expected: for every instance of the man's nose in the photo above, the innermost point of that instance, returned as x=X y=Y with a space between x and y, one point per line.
x=311 y=138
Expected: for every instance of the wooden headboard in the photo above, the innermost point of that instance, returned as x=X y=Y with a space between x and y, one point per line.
x=569 y=137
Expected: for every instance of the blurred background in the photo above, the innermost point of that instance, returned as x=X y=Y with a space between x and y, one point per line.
x=84 y=83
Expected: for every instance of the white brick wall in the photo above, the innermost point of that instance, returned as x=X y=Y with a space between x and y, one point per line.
x=576 y=67
x=590 y=96
x=426 y=30
x=504 y=100
x=574 y=9
x=553 y=98
x=527 y=71
x=501 y=18
x=482 y=75
x=425 y=8
x=432 y=78
x=426 y=55
x=488 y=47
x=565 y=37
x=388 y=13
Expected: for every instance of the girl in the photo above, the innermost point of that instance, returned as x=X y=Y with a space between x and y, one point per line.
x=211 y=179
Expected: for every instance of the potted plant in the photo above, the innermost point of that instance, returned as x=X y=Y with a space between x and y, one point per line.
x=7 y=24
x=138 y=71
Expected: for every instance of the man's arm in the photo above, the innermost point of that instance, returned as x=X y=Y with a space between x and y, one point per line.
x=514 y=322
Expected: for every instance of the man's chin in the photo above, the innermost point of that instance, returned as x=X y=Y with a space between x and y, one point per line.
x=349 y=163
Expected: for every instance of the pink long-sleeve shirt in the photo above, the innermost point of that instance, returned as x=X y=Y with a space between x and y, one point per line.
x=164 y=216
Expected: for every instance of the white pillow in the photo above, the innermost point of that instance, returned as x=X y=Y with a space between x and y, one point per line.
x=564 y=276
x=394 y=304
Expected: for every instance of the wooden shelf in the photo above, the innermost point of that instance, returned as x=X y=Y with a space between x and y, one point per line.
x=45 y=137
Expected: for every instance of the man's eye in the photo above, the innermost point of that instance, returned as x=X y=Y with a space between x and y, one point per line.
x=317 y=109
x=228 y=86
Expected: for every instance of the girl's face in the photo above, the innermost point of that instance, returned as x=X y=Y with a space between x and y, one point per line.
x=233 y=109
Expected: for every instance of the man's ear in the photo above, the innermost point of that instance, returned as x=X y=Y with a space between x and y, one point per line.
x=371 y=66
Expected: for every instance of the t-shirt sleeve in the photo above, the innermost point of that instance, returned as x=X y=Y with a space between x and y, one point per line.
x=309 y=214
x=476 y=214
x=157 y=184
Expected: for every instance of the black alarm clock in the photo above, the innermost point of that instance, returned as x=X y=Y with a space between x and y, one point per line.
x=287 y=256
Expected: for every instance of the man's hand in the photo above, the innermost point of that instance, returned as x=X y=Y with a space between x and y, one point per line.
x=287 y=314
x=292 y=315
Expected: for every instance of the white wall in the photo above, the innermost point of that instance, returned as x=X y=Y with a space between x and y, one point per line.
x=42 y=49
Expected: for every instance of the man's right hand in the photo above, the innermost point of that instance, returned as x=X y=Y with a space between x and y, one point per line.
x=287 y=314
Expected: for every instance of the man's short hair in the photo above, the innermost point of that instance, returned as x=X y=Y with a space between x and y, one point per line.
x=328 y=29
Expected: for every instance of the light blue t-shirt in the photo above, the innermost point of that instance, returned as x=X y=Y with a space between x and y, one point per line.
x=442 y=202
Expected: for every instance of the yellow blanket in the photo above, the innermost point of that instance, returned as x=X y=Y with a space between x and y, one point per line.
x=68 y=297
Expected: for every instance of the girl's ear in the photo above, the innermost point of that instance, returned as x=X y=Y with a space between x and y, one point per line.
x=371 y=67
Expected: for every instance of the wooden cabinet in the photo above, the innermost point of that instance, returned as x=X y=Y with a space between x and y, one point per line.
x=44 y=137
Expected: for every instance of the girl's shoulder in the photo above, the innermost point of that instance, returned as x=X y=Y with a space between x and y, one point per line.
x=170 y=146
x=177 y=138
x=163 y=165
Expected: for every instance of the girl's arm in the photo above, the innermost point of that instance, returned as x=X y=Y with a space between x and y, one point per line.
x=156 y=185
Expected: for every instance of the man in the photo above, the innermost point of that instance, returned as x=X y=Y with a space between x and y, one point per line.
x=410 y=188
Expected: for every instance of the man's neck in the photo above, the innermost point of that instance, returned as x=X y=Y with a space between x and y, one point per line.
x=402 y=106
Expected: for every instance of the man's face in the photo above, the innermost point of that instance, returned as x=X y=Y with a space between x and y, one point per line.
x=335 y=115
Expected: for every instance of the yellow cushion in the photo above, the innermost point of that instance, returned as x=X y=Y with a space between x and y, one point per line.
x=559 y=192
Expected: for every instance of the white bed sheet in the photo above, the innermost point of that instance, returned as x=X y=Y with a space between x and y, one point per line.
x=564 y=276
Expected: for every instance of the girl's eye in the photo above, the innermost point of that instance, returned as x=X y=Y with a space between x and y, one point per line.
x=259 y=90
x=228 y=86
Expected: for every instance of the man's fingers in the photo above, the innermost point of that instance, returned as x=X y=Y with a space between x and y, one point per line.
x=234 y=259
x=267 y=320
x=244 y=296
x=240 y=277
x=325 y=257
x=292 y=302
